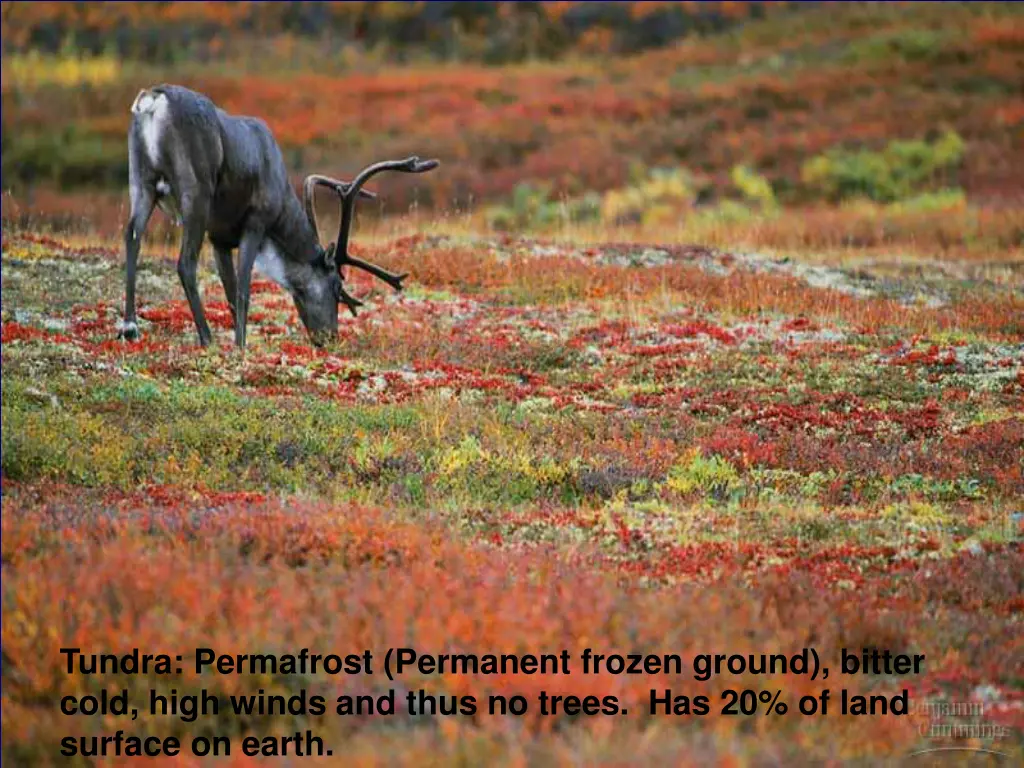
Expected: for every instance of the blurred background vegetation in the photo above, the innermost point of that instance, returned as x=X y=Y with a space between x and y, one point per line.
x=789 y=123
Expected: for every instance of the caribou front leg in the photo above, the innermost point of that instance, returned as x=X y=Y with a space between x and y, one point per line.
x=226 y=271
x=248 y=250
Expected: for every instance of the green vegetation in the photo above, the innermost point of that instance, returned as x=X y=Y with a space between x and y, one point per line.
x=68 y=157
x=899 y=171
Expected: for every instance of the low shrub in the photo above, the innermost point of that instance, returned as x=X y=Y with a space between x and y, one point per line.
x=897 y=172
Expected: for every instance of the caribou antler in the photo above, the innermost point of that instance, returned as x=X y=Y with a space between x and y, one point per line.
x=348 y=194
x=348 y=203
x=341 y=188
x=310 y=185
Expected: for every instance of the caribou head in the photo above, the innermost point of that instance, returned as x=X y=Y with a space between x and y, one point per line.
x=318 y=308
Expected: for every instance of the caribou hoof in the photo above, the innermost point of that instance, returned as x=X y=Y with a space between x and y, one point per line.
x=129 y=332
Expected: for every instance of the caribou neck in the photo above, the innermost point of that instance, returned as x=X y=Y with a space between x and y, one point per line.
x=294 y=234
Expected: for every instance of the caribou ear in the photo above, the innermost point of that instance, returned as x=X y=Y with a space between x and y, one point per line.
x=329 y=255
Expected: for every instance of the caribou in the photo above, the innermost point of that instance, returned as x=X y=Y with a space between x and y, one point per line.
x=223 y=177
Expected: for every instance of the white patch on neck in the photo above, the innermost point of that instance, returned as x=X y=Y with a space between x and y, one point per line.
x=270 y=264
x=151 y=110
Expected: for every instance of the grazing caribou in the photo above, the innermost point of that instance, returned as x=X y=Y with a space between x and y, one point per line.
x=223 y=176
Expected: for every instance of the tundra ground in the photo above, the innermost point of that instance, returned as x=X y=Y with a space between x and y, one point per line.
x=540 y=445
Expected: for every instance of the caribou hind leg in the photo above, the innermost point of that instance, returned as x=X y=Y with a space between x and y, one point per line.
x=143 y=201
